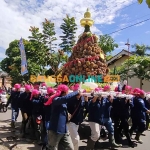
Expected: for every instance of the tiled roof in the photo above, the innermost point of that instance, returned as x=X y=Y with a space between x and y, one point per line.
x=118 y=56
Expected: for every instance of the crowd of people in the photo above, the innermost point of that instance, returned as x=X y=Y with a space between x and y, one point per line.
x=63 y=111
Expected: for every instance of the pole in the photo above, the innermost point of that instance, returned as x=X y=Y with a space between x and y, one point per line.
x=128 y=45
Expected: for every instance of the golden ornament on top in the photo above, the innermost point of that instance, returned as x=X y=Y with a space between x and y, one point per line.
x=87 y=20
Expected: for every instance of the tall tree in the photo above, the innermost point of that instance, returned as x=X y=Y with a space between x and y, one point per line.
x=136 y=66
x=68 y=28
x=12 y=63
x=49 y=35
x=141 y=50
x=38 y=46
x=107 y=43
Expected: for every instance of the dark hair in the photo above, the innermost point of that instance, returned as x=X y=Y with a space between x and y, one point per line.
x=62 y=93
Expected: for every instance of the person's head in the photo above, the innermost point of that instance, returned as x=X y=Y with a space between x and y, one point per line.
x=76 y=87
x=62 y=89
x=141 y=94
x=106 y=88
x=50 y=91
x=43 y=84
x=27 y=88
x=17 y=87
x=35 y=94
x=136 y=92
x=128 y=89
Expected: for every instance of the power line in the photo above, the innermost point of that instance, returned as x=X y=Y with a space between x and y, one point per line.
x=129 y=26
x=136 y=19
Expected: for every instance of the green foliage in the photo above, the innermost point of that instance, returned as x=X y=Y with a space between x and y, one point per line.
x=12 y=63
x=136 y=66
x=57 y=59
x=140 y=49
x=147 y=2
x=107 y=43
x=108 y=57
x=68 y=28
x=49 y=35
x=45 y=42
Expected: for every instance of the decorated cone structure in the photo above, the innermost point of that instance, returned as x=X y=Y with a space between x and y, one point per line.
x=87 y=57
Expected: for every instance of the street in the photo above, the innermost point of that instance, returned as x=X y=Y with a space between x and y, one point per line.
x=22 y=144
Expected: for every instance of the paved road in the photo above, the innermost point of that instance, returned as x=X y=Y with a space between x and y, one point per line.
x=29 y=145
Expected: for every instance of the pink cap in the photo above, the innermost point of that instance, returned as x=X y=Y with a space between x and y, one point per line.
x=128 y=87
x=62 y=88
x=43 y=84
x=17 y=86
x=76 y=87
x=97 y=89
x=116 y=89
x=36 y=87
x=50 y=90
x=106 y=88
x=135 y=91
x=34 y=92
x=27 y=87
x=141 y=92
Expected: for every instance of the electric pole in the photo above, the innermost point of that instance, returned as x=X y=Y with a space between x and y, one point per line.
x=128 y=45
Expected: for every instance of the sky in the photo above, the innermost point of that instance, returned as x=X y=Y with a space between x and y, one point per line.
x=16 y=17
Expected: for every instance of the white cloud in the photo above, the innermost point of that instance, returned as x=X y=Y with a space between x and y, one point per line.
x=124 y=17
x=17 y=16
x=147 y=32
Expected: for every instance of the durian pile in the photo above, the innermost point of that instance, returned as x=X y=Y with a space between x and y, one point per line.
x=87 y=57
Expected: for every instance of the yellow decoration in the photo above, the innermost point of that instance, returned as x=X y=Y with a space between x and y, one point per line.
x=87 y=20
x=33 y=78
x=111 y=78
x=102 y=56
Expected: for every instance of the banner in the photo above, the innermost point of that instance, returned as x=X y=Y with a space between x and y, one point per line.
x=23 y=58
x=74 y=78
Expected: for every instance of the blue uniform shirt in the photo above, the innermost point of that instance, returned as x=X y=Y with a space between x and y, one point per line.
x=59 y=115
x=14 y=99
x=138 y=109
x=99 y=110
x=78 y=106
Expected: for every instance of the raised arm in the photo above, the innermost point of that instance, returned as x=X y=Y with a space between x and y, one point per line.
x=142 y=106
x=64 y=99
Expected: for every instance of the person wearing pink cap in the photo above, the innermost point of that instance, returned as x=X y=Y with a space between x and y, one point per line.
x=26 y=107
x=76 y=108
x=99 y=115
x=47 y=114
x=121 y=108
x=37 y=110
x=58 y=133
x=14 y=99
x=138 y=111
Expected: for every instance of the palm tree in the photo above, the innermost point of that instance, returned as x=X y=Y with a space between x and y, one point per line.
x=141 y=50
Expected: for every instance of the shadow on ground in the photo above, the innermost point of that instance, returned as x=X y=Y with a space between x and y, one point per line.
x=85 y=132
x=18 y=142
x=12 y=139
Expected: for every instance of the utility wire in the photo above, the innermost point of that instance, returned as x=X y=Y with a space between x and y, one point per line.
x=136 y=19
x=129 y=26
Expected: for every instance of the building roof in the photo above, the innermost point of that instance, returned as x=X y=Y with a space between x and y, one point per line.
x=3 y=74
x=118 y=56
